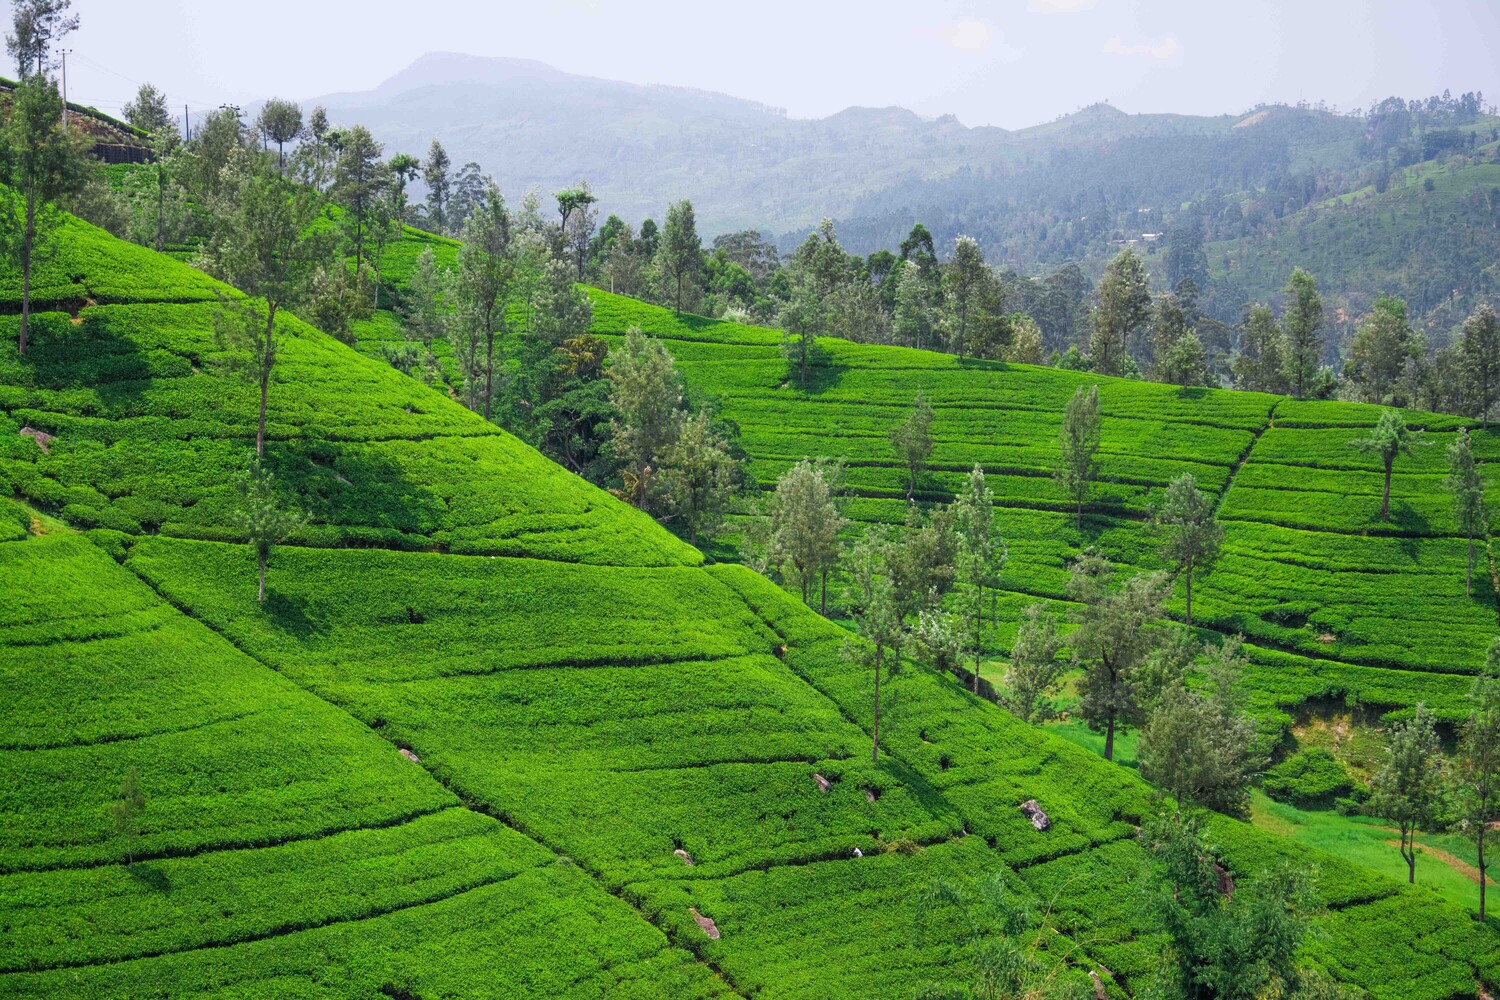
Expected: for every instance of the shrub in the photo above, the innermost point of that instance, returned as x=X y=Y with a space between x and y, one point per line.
x=1308 y=779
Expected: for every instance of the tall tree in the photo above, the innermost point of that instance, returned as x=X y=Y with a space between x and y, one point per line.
x=1391 y=437
x=1467 y=487
x=877 y=617
x=1300 y=323
x=482 y=286
x=1481 y=359
x=1035 y=672
x=148 y=110
x=804 y=525
x=38 y=24
x=280 y=121
x=404 y=168
x=359 y=177
x=1112 y=641
x=647 y=392
x=1124 y=306
x=435 y=171
x=1079 y=439
x=1478 y=764
x=1198 y=744
x=1382 y=347
x=261 y=244
x=40 y=162
x=261 y=515
x=918 y=248
x=818 y=271
x=962 y=277
x=1406 y=789
x=912 y=319
x=577 y=218
x=679 y=255
x=699 y=475
x=1191 y=534
x=981 y=556
x=911 y=440
x=1261 y=364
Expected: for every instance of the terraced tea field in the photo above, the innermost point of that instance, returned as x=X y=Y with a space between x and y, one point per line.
x=1334 y=602
x=494 y=734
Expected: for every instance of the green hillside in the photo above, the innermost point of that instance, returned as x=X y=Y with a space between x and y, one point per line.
x=485 y=705
x=1335 y=602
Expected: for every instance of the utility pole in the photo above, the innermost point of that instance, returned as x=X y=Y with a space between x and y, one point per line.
x=187 y=129
x=65 y=85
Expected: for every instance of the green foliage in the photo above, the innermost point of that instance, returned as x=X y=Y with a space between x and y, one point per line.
x=1308 y=779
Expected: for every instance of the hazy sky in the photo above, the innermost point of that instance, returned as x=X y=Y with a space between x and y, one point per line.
x=1011 y=63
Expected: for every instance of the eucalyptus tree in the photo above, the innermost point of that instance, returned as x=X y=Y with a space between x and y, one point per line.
x=261 y=242
x=1467 y=487
x=911 y=440
x=679 y=254
x=481 y=293
x=1407 y=789
x=435 y=174
x=41 y=161
x=1300 y=323
x=1478 y=764
x=265 y=520
x=981 y=556
x=280 y=121
x=1191 y=533
x=1112 y=641
x=804 y=525
x=1079 y=442
x=1124 y=306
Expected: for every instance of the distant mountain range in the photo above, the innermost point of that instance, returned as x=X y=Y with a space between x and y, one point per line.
x=1074 y=189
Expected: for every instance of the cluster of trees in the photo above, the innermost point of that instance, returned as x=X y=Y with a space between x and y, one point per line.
x=1420 y=788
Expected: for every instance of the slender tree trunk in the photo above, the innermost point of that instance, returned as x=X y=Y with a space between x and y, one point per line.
x=1409 y=851
x=267 y=359
x=261 y=593
x=802 y=578
x=1469 y=575
x=875 y=730
x=489 y=367
x=823 y=594
x=1482 y=878
x=25 y=291
x=679 y=294
x=1189 y=595
x=1080 y=515
x=1109 y=738
x=1385 y=501
x=978 y=626
x=161 y=204
x=911 y=482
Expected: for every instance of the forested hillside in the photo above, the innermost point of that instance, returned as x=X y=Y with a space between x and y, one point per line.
x=1269 y=182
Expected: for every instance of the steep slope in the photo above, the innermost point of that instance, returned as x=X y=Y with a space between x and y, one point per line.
x=582 y=700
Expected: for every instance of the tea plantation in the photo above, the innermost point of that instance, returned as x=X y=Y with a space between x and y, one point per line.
x=495 y=734
x=1333 y=601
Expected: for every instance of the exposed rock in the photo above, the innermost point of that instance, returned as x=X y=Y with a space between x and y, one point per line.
x=42 y=438
x=410 y=756
x=1099 y=991
x=1034 y=813
x=858 y=853
x=708 y=926
x=687 y=858
x=823 y=783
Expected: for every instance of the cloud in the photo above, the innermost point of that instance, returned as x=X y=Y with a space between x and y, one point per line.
x=1167 y=48
x=1059 y=6
x=969 y=35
